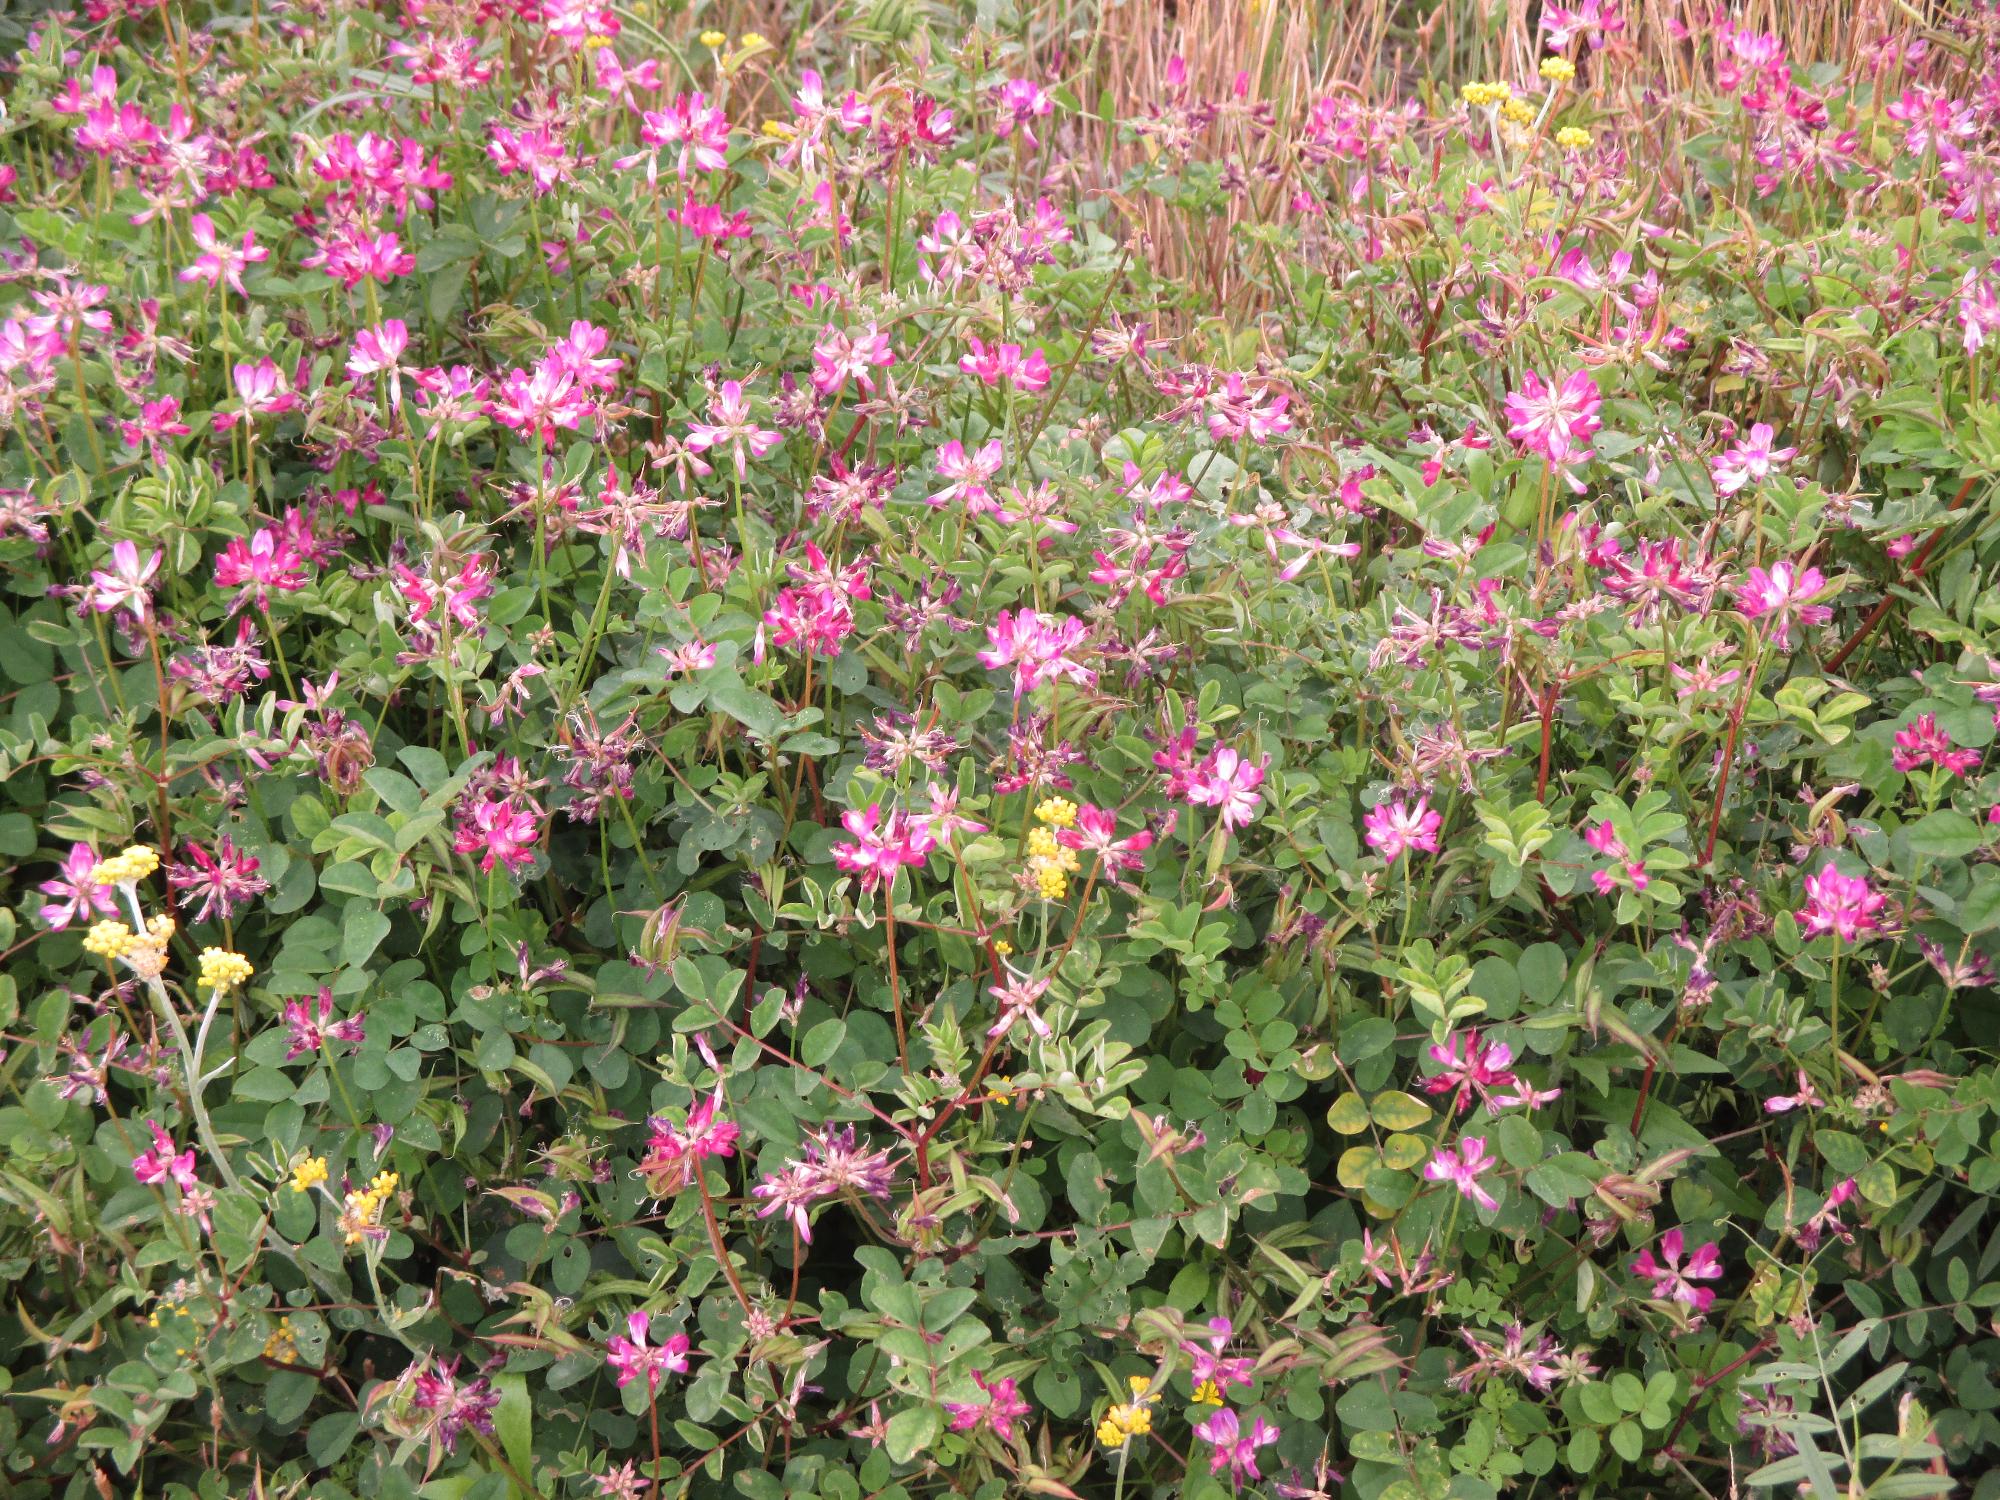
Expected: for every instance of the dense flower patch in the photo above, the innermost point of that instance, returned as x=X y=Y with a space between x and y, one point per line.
x=1060 y=750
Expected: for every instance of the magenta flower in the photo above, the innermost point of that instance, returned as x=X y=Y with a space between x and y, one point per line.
x=1040 y=648
x=1463 y=1168
x=224 y=882
x=1002 y=1408
x=690 y=126
x=1096 y=832
x=881 y=846
x=127 y=584
x=969 y=474
x=309 y=1022
x=220 y=261
x=1393 y=827
x=499 y=832
x=1781 y=595
x=1752 y=459
x=1020 y=102
x=156 y=420
x=72 y=896
x=633 y=1357
x=455 y=1407
x=267 y=564
x=261 y=391
x=1228 y=782
x=731 y=427
x=1556 y=421
x=1841 y=904
x=674 y=1152
x=839 y=357
x=1806 y=1098
x=1471 y=1067
x=350 y=255
x=1235 y=1447
x=1207 y=1363
x=1018 y=999
x=379 y=351
x=157 y=1163
x=1922 y=743
x=1005 y=362
x=1978 y=310
x=1673 y=1280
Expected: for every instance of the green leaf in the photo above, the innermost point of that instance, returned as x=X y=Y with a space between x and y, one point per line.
x=514 y=1422
x=910 y=1433
x=1944 y=834
x=1395 y=1110
x=1348 y=1114
x=362 y=931
x=818 y=1046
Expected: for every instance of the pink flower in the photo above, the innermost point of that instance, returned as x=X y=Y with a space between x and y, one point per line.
x=674 y=1153
x=1806 y=1098
x=1781 y=595
x=1227 y=781
x=72 y=896
x=1978 y=310
x=1463 y=1168
x=220 y=261
x=1556 y=421
x=1672 y=1280
x=454 y=1407
x=379 y=351
x=839 y=357
x=310 y=1029
x=1840 y=904
x=1235 y=1448
x=1020 y=102
x=223 y=882
x=1096 y=832
x=881 y=846
x=969 y=474
x=1206 y=1361
x=157 y=1163
x=1002 y=1408
x=1752 y=459
x=732 y=427
x=156 y=420
x=1005 y=362
x=1393 y=827
x=1018 y=999
x=499 y=832
x=267 y=563
x=351 y=255
x=1922 y=743
x=632 y=1356
x=1471 y=1067
x=261 y=391
x=127 y=584
x=1038 y=647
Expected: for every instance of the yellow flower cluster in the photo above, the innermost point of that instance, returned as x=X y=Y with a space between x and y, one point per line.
x=362 y=1214
x=127 y=868
x=1572 y=139
x=1486 y=94
x=1128 y=1419
x=1558 y=69
x=223 y=970
x=1057 y=812
x=1049 y=864
x=752 y=41
x=714 y=40
x=308 y=1172
x=1518 y=112
x=108 y=939
x=1208 y=1393
x=283 y=1344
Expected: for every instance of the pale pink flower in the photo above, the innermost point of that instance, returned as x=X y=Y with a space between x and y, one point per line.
x=1673 y=1280
x=633 y=1357
x=1462 y=1168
